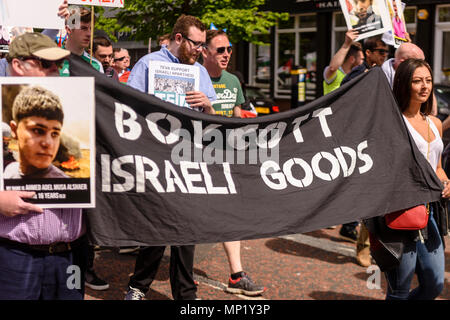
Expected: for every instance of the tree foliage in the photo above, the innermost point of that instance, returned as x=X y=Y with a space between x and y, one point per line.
x=153 y=18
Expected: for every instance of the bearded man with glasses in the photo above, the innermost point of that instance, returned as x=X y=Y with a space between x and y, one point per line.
x=187 y=41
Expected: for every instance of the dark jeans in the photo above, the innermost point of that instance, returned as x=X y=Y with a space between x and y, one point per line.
x=350 y=226
x=31 y=275
x=181 y=270
x=427 y=261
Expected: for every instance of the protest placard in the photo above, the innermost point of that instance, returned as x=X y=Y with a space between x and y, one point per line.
x=7 y=35
x=170 y=81
x=31 y=13
x=398 y=31
x=368 y=17
x=49 y=139
x=102 y=3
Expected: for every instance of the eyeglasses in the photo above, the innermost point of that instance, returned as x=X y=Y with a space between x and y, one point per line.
x=197 y=44
x=120 y=59
x=221 y=50
x=381 y=51
x=46 y=64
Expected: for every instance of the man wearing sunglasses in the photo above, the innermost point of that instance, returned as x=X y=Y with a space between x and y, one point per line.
x=187 y=41
x=375 y=53
x=35 y=55
x=216 y=57
x=121 y=61
x=230 y=97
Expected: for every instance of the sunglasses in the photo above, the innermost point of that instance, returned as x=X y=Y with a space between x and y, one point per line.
x=221 y=50
x=381 y=51
x=197 y=44
x=120 y=59
x=46 y=64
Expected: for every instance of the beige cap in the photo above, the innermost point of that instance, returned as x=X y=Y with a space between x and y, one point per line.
x=38 y=45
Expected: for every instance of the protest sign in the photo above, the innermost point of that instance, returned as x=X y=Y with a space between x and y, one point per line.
x=31 y=13
x=170 y=175
x=7 y=35
x=369 y=18
x=170 y=81
x=102 y=3
x=398 y=30
x=49 y=139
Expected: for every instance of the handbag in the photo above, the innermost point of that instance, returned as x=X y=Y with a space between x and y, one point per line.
x=415 y=218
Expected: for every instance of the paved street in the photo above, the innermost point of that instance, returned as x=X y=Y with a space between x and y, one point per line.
x=313 y=266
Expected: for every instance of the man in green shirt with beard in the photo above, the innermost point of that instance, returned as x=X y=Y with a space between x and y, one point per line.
x=216 y=57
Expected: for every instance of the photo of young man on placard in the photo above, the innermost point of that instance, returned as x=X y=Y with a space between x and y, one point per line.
x=367 y=17
x=48 y=138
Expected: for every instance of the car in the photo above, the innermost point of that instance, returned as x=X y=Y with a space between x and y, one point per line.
x=256 y=99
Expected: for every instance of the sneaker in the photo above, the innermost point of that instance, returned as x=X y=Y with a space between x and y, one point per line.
x=350 y=235
x=123 y=250
x=94 y=282
x=244 y=285
x=134 y=294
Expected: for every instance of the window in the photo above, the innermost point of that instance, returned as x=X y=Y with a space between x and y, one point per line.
x=295 y=46
x=259 y=66
x=442 y=45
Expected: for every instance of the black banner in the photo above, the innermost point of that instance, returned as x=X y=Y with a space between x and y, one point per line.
x=169 y=175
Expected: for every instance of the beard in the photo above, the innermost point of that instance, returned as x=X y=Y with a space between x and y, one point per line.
x=185 y=55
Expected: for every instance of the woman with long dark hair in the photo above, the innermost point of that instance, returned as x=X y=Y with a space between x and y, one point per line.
x=423 y=252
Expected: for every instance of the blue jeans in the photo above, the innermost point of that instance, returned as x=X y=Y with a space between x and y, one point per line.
x=425 y=259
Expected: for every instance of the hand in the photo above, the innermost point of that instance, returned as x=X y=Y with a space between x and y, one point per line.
x=350 y=36
x=63 y=10
x=446 y=191
x=11 y=203
x=197 y=99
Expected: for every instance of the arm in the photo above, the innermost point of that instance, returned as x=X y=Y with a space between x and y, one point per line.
x=11 y=203
x=237 y=111
x=339 y=57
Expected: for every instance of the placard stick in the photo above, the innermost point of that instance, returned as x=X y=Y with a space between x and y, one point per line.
x=92 y=34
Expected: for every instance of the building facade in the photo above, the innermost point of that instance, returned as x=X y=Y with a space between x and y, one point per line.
x=315 y=31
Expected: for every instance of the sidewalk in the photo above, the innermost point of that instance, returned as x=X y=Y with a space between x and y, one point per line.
x=313 y=266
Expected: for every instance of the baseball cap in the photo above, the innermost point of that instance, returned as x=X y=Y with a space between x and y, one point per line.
x=38 y=45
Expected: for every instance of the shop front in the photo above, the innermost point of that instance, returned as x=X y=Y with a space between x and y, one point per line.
x=315 y=31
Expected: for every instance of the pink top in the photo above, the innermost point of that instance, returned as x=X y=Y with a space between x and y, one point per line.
x=53 y=225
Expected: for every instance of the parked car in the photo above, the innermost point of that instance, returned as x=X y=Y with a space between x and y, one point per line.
x=257 y=99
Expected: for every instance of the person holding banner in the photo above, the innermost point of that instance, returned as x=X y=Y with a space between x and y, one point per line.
x=423 y=251
x=375 y=52
x=33 y=244
x=79 y=37
x=216 y=57
x=346 y=58
x=187 y=41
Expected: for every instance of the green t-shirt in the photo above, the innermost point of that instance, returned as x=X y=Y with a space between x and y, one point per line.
x=229 y=94
x=64 y=71
x=336 y=83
